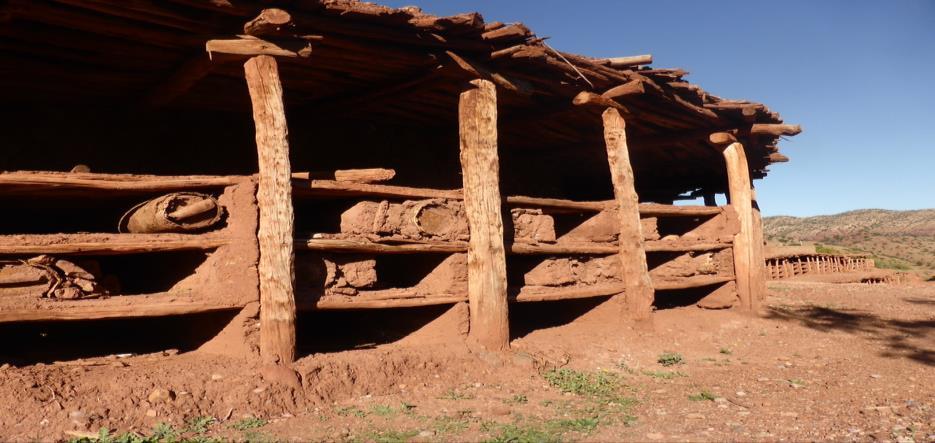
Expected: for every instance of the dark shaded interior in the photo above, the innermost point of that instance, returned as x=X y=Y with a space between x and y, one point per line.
x=677 y=298
x=58 y=212
x=46 y=342
x=341 y=330
x=526 y=318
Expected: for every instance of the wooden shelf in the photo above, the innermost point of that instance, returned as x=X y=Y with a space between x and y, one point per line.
x=128 y=306
x=322 y=188
x=90 y=184
x=107 y=244
x=336 y=303
x=570 y=293
x=366 y=246
x=372 y=301
x=696 y=281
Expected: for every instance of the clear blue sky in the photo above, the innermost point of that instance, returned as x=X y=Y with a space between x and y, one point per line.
x=857 y=75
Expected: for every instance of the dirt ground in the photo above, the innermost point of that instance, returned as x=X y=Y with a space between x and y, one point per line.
x=820 y=362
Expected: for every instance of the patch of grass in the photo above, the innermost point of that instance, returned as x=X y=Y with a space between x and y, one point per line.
x=452 y=394
x=547 y=431
x=726 y=351
x=348 y=411
x=600 y=385
x=518 y=399
x=391 y=436
x=200 y=425
x=382 y=410
x=249 y=423
x=702 y=396
x=664 y=375
x=450 y=425
x=669 y=359
x=796 y=382
x=164 y=432
x=254 y=436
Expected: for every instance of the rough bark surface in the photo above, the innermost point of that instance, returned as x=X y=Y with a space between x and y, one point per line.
x=749 y=271
x=639 y=293
x=274 y=197
x=487 y=283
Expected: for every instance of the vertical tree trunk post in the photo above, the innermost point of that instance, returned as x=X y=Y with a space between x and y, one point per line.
x=480 y=165
x=274 y=198
x=639 y=293
x=751 y=284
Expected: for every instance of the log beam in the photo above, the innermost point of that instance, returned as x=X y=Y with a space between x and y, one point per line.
x=487 y=283
x=251 y=47
x=625 y=62
x=751 y=284
x=639 y=293
x=274 y=198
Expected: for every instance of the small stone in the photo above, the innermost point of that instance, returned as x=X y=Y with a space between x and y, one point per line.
x=151 y=413
x=216 y=377
x=655 y=436
x=741 y=394
x=762 y=379
x=160 y=395
x=722 y=406
x=875 y=375
x=720 y=400
x=259 y=390
x=44 y=422
x=694 y=416
x=4 y=367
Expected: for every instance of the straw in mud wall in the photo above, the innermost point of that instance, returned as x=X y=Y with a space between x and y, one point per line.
x=175 y=212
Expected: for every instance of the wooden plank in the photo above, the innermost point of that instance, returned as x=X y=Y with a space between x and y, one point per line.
x=480 y=165
x=22 y=182
x=448 y=247
x=247 y=47
x=130 y=306
x=748 y=263
x=602 y=290
x=327 y=304
x=639 y=292
x=274 y=198
x=106 y=244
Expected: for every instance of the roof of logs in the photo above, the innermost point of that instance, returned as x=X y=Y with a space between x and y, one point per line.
x=348 y=57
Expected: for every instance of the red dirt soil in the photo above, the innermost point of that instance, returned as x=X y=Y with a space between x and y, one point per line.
x=820 y=362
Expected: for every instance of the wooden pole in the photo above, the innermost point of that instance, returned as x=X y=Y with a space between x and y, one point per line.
x=480 y=165
x=747 y=248
x=274 y=198
x=639 y=293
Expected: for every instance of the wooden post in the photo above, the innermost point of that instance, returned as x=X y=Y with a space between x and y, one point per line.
x=639 y=293
x=274 y=198
x=751 y=283
x=480 y=165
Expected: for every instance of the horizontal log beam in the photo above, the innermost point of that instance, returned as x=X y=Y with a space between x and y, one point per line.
x=106 y=244
x=774 y=129
x=625 y=62
x=32 y=181
x=162 y=304
x=250 y=47
x=368 y=175
x=447 y=247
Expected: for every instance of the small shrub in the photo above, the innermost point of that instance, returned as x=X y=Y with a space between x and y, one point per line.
x=452 y=394
x=669 y=359
x=249 y=423
x=702 y=396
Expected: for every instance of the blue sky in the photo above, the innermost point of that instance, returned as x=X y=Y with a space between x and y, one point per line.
x=856 y=75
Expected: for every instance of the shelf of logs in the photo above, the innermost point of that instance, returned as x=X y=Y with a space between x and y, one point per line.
x=469 y=245
x=807 y=264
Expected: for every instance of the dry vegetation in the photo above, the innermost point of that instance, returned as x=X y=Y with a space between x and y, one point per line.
x=903 y=240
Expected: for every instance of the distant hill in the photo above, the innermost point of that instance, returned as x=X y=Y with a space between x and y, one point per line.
x=898 y=239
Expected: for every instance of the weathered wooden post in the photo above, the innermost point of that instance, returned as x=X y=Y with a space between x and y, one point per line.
x=751 y=282
x=480 y=165
x=274 y=198
x=639 y=293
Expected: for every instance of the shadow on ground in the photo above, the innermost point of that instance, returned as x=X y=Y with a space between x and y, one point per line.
x=900 y=337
